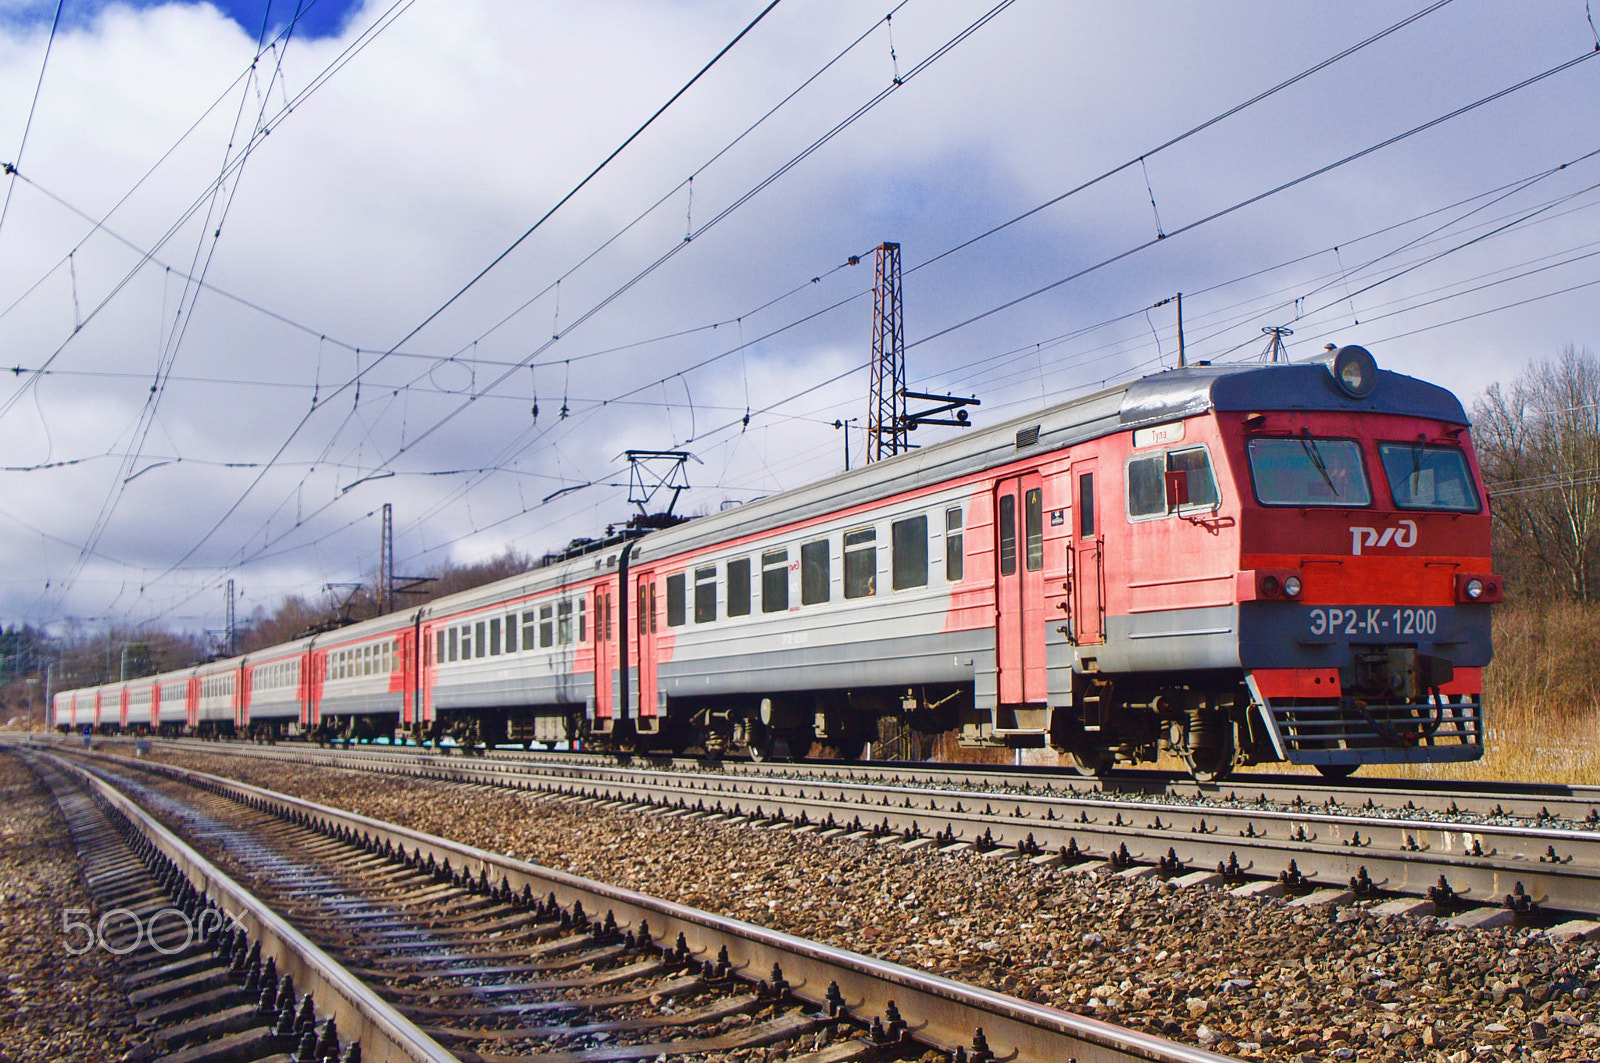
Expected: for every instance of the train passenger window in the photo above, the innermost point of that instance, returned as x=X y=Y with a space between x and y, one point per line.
x=860 y=563
x=1196 y=465
x=739 y=587
x=564 y=622
x=583 y=620
x=1302 y=471
x=605 y=607
x=1033 y=528
x=529 y=619
x=705 y=595
x=908 y=540
x=494 y=636
x=478 y=640
x=954 y=555
x=1147 y=482
x=1147 y=487
x=1086 y=506
x=652 y=590
x=814 y=572
x=511 y=633
x=775 y=581
x=1424 y=477
x=1008 y=534
x=675 y=600
x=546 y=626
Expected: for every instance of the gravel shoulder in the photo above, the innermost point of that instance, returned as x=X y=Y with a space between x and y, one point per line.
x=1258 y=979
x=56 y=1006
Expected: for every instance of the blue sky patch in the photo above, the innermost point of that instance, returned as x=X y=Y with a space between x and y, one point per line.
x=317 y=18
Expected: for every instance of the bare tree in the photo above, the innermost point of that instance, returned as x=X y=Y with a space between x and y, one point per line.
x=1539 y=443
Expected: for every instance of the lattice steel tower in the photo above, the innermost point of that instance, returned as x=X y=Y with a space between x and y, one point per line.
x=886 y=410
x=386 y=562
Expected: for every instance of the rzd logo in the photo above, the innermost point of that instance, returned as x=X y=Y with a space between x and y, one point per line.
x=1404 y=536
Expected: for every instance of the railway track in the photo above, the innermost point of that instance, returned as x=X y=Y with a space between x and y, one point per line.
x=496 y=959
x=1471 y=869
x=1501 y=802
x=218 y=974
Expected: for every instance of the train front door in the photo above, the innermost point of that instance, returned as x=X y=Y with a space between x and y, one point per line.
x=1019 y=588
x=1088 y=558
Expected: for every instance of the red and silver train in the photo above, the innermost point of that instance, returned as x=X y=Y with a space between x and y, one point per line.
x=1235 y=563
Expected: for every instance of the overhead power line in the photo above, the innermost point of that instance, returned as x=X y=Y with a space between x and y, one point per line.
x=27 y=126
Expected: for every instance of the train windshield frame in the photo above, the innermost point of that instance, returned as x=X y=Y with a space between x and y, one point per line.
x=1305 y=471
x=1429 y=477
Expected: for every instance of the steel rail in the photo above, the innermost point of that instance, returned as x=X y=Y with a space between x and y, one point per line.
x=1525 y=800
x=384 y=1034
x=1481 y=864
x=938 y=1011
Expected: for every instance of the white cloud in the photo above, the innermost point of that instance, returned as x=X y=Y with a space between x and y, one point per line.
x=458 y=127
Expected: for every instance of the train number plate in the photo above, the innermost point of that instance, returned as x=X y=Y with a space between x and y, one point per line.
x=1374 y=620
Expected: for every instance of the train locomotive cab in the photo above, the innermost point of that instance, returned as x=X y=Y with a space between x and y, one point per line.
x=1378 y=656
x=1307 y=575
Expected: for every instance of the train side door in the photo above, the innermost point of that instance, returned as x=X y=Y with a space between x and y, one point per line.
x=605 y=652
x=1088 y=556
x=644 y=606
x=313 y=669
x=1019 y=588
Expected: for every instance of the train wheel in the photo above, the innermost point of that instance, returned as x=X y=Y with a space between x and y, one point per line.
x=799 y=740
x=1094 y=763
x=854 y=745
x=1337 y=771
x=1213 y=764
x=760 y=742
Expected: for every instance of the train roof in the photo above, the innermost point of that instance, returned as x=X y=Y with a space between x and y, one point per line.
x=1168 y=396
x=1282 y=386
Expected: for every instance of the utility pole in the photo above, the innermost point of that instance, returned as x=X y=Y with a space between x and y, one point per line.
x=845 y=424
x=886 y=406
x=386 y=563
x=231 y=645
x=1182 y=361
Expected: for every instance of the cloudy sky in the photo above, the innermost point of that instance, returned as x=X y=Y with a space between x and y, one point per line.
x=245 y=267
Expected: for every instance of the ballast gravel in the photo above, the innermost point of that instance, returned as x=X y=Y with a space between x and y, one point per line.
x=1253 y=978
x=53 y=1005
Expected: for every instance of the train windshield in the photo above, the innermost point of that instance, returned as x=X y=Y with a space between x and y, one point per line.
x=1425 y=477
x=1302 y=471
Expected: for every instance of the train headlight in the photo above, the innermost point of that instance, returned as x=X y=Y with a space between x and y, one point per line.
x=1354 y=370
x=1291 y=586
x=1270 y=586
x=1474 y=588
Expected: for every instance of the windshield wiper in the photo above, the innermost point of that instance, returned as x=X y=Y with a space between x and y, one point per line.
x=1310 y=447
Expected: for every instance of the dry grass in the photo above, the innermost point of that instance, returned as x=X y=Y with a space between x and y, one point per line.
x=1542 y=699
